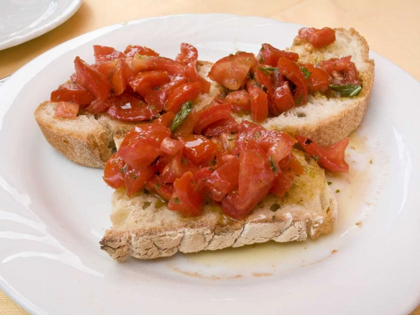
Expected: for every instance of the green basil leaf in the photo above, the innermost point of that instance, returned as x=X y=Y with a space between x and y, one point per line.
x=267 y=69
x=306 y=72
x=273 y=165
x=181 y=115
x=347 y=90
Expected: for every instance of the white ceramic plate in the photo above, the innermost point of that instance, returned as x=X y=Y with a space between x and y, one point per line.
x=53 y=212
x=23 y=20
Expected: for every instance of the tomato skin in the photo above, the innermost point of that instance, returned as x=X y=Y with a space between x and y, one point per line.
x=89 y=78
x=137 y=110
x=282 y=100
x=143 y=82
x=193 y=76
x=159 y=96
x=114 y=171
x=140 y=146
x=106 y=68
x=211 y=115
x=170 y=146
x=72 y=92
x=342 y=70
x=180 y=95
x=232 y=70
x=105 y=53
x=187 y=125
x=259 y=102
x=319 y=38
x=185 y=199
x=175 y=167
x=165 y=119
x=198 y=149
x=130 y=51
x=224 y=179
x=293 y=73
x=268 y=55
x=240 y=101
x=187 y=55
x=122 y=74
x=136 y=179
x=319 y=80
x=216 y=129
x=330 y=157
x=66 y=110
x=157 y=185
x=149 y=63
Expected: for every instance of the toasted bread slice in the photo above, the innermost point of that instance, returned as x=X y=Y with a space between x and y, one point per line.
x=144 y=228
x=88 y=139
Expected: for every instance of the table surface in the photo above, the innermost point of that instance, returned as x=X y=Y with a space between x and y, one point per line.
x=390 y=27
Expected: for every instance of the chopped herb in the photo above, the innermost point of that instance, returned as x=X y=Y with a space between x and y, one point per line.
x=157 y=186
x=257 y=84
x=134 y=176
x=156 y=88
x=347 y=90
x=299 y=100
x=183 y=161
x=337 y=191
x=371 y=161
x=261 y=59
x=316 y=157
x=306 y=72
x=176 y=200
x=273 y=165
x=211 y=168
x=257 y=135
x=264 y=88
x=181 y=115
x=146 y=205
x=275 y=207
x=267 y=70
x=124 y=169
x=329 y=183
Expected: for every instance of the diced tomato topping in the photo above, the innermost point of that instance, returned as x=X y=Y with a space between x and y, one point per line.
x=165 y=119
x=66 y=110
x=282 y=100
x=232 y=70
x=224 y=179
x=72 y=92
x=216 y=129
x=318 y=37
x=199 y=149
x=201 y=176
x=170 y=146
x=130 y=51
x=193 y=76
x=187 y=55
x=240 y=101
x=259 y=101
x=180 y=95
x=268 y=55
x=129 y=108
x=89 y=78
x=104 y=53
x=157 y=185
x=122 y=74
x=330 y=157
x=158 y=97
x=318 y=80
x=211 y=115
x=149 y=63
x=187 y=126
x=263 y=77
x=185 y=200
x=282 y=183
x=293 y=73
x=175 y=167
x=342 y=70
x=106 y=68
x=144 y=82
x=114 y=171
x=136 y=179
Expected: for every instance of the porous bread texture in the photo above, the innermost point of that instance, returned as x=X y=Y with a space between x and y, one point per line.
x=143 y=227
x=88 y=139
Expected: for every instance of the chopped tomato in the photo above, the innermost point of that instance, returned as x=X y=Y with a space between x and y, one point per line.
x=282 y=100
x=175 y=167
x=198 y=149
x=72 y=92
x=193 y=76
x=185 y=199
x=165 y=119
x=129 y=108
x=98 y=106
x=259 y=101
x=106 y=68
x=232 y=70
x=158 y=97
x=224 y=179
x=293 y=73
x=114 y=171
x=122 y=74
x=66 y=110
x=130 y=51
x=89 y=78
x=216 y=129
x=104 y=53
x=201 y=177
x=170 y=146
x=140 y=146
x=187 y=126
x=342 y=70
x=157 y=185
x=282 y=183
x=330 y=157
x=211 y=115
x=240 y=101
x=180 y=95
x=149 y=63
x=263 y=77
x=144 y=82
x=268 y=55
x=318 y=80
x=318 y=37
x=136 y=179
x=187 y=55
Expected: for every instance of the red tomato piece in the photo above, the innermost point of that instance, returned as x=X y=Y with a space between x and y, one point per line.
x=330 y=157
x=282 y=183
x=149 y=63
x=165 y=119
x=187 y=55
x=342 y=70
x=114 y=171
x=319 y=79
x=268 y=55
x=130 y=51
x=180 y=95
x=170 y=146
x=66 y=110
x=187 y=126
x=318 y=37
x=122 y=74
x=136 y=179
x=240 y=101
x=129 y=108
x=201 y=177
x=89 y=78
x=259 y=101
x=106 y=68
x=185 y=199
x=140 y=146
x=104 y=53
x=232 y=70
x=282 y=100
x=72 y=92
x=293 y=73
x=177 y=166
x=216 y=129
x=157 y=185
x=198 y=149
x=193 y=76
x=144 y=82
x=263 y=77
x=159 y=96
x=211 y=115
x=224 y=179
